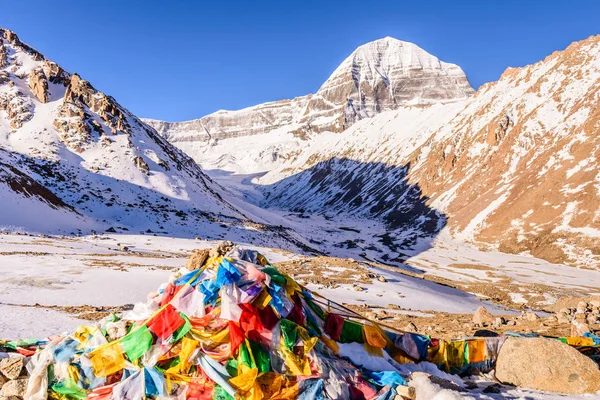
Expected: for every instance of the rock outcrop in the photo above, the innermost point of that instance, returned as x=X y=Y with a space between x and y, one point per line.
x=565 y=370
x=38 y=83
x=17 y=105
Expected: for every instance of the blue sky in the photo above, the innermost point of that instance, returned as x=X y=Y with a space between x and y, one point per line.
x=179 y=59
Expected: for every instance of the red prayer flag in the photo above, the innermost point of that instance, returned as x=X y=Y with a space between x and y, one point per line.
x=166 y=322
x=333 y=326
x=236 y=336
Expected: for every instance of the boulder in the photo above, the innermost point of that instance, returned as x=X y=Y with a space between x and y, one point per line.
x=197 y=259
x=546 y=364
x=531 y=316
x=15 y=387
x=11 y=367
x=482 y=316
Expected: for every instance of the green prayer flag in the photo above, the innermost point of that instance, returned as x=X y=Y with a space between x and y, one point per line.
x=183 y=330
x=221 y=394
x=136 y=343
x=275 y=275
x=352 y=332
x=69 y=388
x=244 y=356
x=24 y=343
x=232 y=367
x=289 y=331
x=261 y=357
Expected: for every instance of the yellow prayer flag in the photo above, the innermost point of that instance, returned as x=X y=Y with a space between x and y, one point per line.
x=262 y=300
x=187 y=349
x=107 y=360
x=374 y=337
x=580 y=341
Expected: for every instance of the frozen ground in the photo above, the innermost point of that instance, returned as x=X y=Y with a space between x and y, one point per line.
x=38 y=272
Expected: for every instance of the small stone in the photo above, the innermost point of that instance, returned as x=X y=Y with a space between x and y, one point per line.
x=493 y=388
x=579 y=328
x=499 y=322
x=11 y=367
x=410 y=327
x=531 y=316
x=124 y=248
x=381 y=278
x=359 y=288
x=482 y=316
x=511 y=323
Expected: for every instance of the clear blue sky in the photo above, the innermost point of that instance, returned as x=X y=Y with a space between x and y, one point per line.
x=179 y=59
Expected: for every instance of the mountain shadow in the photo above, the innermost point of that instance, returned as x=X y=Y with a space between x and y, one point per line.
x=355 y=193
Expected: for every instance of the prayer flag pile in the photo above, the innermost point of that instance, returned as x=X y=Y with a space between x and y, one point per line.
x=237 y=327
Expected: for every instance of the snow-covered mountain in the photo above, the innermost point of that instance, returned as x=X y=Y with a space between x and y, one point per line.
x=515 y=167
x=72 y=159
x=378 y=76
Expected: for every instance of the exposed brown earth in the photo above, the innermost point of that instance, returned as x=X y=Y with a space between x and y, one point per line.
x=318 y=270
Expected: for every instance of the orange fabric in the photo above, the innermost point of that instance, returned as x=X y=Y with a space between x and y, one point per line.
x=477 y=350
x=374 y=337
x=332 y=344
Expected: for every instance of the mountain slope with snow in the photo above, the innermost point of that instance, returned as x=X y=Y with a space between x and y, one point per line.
x=379 y=76
x=515 y=167
x=74 y=160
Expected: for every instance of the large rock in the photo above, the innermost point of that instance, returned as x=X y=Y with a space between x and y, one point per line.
x=546 y=364
x=11 y=367
x=197 y=259
x=16 y=387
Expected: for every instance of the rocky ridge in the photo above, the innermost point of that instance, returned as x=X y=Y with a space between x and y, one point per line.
x=78 y=161
x=378 y=76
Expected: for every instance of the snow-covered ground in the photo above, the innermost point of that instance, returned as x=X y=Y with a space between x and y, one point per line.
x=86 y=271
x=94 y=271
